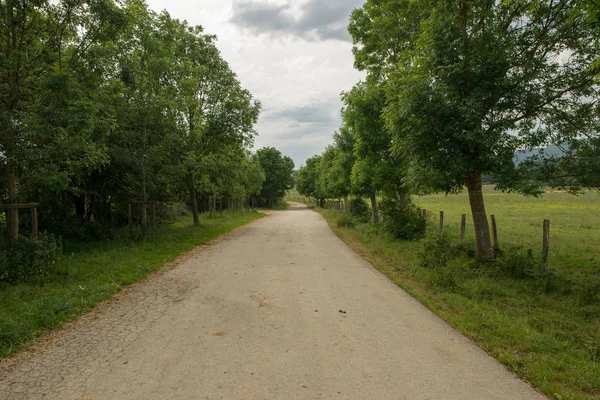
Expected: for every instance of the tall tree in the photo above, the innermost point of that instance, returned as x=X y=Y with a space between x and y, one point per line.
x=279 y=174
x=213 y=109
x=306 y=178
x=42 y=45
x=469 y=82
x=376 y=168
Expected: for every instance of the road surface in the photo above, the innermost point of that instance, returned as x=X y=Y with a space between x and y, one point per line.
x=281 y=309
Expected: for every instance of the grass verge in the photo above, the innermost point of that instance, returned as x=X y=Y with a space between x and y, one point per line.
x=546 y=329
x=89 y=273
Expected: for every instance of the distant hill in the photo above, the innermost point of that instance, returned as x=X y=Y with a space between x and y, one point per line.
x=522 y=155
x=550 y=151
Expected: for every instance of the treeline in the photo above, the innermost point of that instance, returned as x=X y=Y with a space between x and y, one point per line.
x=453 y=90
x=106 y=103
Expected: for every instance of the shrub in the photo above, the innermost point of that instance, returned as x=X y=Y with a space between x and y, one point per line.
x=402 y=219
x=172 y=210
x=345 y=221
x=360 y=210
x=518 y=263
x=437 y=252
x=448 y=270
x=29 y=258
x=450 y=277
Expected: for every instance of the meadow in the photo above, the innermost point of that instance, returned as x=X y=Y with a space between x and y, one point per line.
x=574 y=222
x=545 y=326
x=91 y=272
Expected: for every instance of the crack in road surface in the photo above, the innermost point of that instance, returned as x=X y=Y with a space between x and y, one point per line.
x=281 y=309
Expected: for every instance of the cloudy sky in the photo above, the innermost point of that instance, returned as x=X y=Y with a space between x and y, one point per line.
x=293 y=55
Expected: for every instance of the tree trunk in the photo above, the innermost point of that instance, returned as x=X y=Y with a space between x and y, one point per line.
x=79 y=203
x=12 y=49
x=143 y=176
x=194 y=198
x=374 y=208
x=485 y=251
x=144 y=208
x=12 y=215
x=402 y=195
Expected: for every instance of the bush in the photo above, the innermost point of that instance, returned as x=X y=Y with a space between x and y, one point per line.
x=437 y=252
x=402 y=219
x=29 y=258
x=450 y=277
x=360 y=210
x=345 y=221
x=518 y=263
x=447 y=268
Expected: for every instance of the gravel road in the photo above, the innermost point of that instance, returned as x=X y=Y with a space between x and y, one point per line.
x=280 y=309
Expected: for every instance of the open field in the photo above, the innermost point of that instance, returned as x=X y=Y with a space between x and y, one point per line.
x=546 y=328
x=574 y=223
x=89 y=273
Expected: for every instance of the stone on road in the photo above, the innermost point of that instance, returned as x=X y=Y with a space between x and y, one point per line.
x=281 y=309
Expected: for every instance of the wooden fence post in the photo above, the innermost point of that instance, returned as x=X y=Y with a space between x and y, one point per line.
x=546 y=242
x=441 y=222
x=463 y=229
x=153 y=213
x=34 y=223
x=494 y=233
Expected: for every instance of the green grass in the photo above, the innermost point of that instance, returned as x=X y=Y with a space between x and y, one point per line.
x=89 y=273
x=574 y=222
x=546 y=329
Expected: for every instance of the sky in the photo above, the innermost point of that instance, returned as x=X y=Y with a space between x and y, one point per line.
x=295 y=56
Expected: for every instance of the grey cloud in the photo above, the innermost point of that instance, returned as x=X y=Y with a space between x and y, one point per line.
x=314 y=114
x=301 y=152
x=320 y=20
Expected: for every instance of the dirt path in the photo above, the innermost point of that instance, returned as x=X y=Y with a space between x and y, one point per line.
x=257 y=316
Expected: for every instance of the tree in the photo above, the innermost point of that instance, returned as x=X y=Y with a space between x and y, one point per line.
x=331 y=183
x=213 y=110
x=469 y=82
x=279 y=174
x=343 y=162
x=376 y=167
x=42 y=45
x=104 y=102
x=306 y=178
x=576 y=170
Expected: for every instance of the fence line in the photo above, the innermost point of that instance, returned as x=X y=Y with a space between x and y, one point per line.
x=494 y=233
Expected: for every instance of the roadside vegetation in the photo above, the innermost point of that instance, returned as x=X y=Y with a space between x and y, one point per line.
x=574 y=224
x=114 y=118
x=455 y=94
x=544 y=324
x=88 y=273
